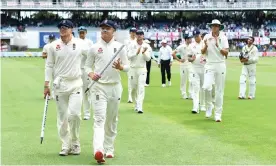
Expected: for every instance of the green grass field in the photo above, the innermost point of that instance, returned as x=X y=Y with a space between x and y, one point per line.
x=167 y=132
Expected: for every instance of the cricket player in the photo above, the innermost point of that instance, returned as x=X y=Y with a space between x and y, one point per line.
x=165 y=60
x=138 y=55
x=51 y=38
x=149 y=63
x=216 y=49
x=105 y=95
x=128 y=42
x=249 y=60
x=63 y=65
x=86 y=105
x=197 y=72
x=185 y=65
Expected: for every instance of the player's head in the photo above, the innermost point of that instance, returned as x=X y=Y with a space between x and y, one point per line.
x=216 y=26
x=188 y=37
x=52 y=37
x=164 y=42
x=82 y=32
x=250 y=40
x=132 y=32
x=108 y=28
x=197 y=36
x=65 y=28
x=140 y=35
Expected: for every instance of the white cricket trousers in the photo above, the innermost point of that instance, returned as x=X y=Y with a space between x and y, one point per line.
x=217 y=72
x=138 y=78
x=250 y=72
x=68 y=101
x=86 y=105
x=197 y=79
x=129 y=87
x=105 y=100
x=184 y=77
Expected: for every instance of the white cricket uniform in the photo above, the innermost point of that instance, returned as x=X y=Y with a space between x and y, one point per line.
x=86 y=80
x=138 y=72
x=105 y=95
x=249 y=69
x=185 y=68
x=128 y=43
x=63 y=64
x=197 y=75
x=215 y=69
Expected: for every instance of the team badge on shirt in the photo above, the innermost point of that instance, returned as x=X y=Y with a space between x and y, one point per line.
x=58 y=47
x=74 y=46
x=100 y=50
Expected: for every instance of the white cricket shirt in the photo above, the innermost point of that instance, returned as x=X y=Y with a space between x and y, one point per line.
x=252 y=52
x=184 y=50
x=100 y=54
x=89 y=44
x=165 y=53
x=139 y=61
x=64 y=60
x=200 y=60
x=213 y=54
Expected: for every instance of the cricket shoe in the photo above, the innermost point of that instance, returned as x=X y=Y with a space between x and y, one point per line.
x=163 y=85
x=109 y=155
x=86 y=117
x=129 y=101
x=209 y=111
x=140 y=112
x=184 y=96
x=195 y=111
x=250 y=97
x=75 y=150
x=241 y=97
x=64 y=152
x=99 y=157
x=146 y=85
x=170 y=83
x=202 y=108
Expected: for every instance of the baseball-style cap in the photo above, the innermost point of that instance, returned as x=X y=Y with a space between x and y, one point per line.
x=66 y=23
x=82 y=28
x=132 y=30
x=164 y=41
x=196 y=32
x=52 y=37
x=187 y=35
x=108 y=23
x=139 y=32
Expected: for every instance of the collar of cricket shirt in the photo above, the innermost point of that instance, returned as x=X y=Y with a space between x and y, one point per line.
x=70 y=42
x=111 y=41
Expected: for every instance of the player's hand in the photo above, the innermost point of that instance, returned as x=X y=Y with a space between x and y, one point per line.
x=171 y=64
x=205 y=42
x=145 y=49
x=182 y=60
x=138 y=51
x=95 y=76
x=46 y=91
x=159 y=65
x=44 y=56
x=117 y=65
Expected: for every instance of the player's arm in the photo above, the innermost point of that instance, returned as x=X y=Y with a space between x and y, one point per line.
x=224 y=48
x=50 y=62
x=171 y=51
x=89 y=63
x=205 y=46
x=255 y=55
x=146 y=53
x=44 y=52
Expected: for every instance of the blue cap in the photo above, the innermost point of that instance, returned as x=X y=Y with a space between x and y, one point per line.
x=196 y=32
x=52 y=37
x=139 y=32
x=108 y=23
x=82 y=28
x=66 y=23
x=132 y=30
x=187 y=35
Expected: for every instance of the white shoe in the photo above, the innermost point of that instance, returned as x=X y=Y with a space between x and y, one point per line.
x=146 y=85
x=218 y=119
x=195 y=111
x=184 y=96
x=86 y=117
x=75 y=150
x=163 y=85
x=109 y=155
x=202 y=108
x=209 y=112
x=170 y=83
x=64 y=152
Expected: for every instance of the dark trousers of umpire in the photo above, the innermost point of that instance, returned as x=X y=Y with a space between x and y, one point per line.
x=148 y=73
x=165 y=67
